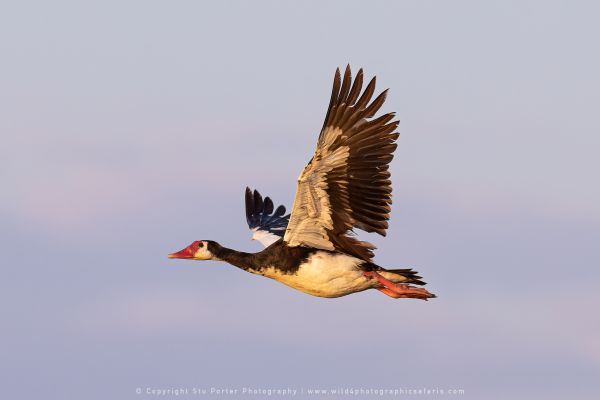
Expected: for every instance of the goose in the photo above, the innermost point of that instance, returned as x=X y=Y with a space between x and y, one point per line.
x=345 y=186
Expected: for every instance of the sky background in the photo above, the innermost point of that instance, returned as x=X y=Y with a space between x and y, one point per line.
x=131 y=128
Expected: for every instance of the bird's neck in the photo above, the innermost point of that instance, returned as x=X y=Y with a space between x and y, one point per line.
x=238 y=258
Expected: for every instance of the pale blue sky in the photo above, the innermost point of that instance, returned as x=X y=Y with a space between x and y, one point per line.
x=131 y=128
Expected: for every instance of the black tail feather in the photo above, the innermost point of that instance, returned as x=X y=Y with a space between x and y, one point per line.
x=408 y=273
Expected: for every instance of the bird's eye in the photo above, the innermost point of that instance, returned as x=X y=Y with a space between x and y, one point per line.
x=201 y=244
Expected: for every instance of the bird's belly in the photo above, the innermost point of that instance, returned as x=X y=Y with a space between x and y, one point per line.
x=325 y=275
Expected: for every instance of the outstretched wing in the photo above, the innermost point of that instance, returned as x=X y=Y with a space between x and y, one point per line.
x=267 y=226
x=346 y=184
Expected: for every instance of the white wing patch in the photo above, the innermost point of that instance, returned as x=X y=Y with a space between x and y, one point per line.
x=264 y=237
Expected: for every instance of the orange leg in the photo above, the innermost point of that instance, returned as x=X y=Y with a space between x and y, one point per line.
x=397 y=290
x=392 y=293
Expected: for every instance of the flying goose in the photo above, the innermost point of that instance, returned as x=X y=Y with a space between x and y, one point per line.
x=345 y=185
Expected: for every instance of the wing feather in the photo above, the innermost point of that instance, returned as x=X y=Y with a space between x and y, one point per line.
x=266 y=226
x=346 y=184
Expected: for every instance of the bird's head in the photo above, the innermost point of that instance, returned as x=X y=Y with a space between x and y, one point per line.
x=198 y=250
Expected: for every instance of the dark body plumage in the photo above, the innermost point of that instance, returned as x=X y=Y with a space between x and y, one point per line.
x=287 y=260
x=278 y=255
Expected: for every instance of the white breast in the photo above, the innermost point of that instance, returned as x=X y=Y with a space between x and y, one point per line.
x=325 y=274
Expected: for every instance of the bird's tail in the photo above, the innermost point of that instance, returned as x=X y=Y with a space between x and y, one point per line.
x=406 y=275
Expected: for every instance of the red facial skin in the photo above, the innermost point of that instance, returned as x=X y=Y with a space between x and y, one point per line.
x=187 y=253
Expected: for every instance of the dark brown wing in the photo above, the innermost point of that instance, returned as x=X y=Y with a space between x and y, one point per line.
x=347 y=183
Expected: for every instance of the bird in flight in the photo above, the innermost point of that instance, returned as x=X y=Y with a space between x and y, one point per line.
x=345 y=185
